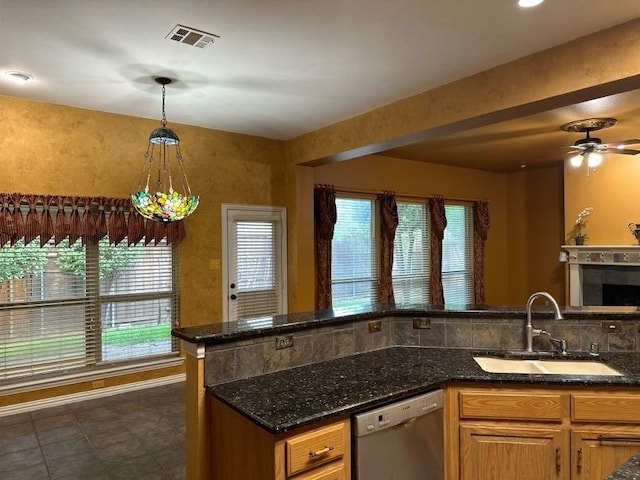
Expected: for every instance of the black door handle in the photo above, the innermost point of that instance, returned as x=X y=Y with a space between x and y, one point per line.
x=233 y=296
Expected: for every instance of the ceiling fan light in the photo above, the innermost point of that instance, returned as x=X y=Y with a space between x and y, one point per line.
x=594 y=160
x=576 y=160
x=529 y=3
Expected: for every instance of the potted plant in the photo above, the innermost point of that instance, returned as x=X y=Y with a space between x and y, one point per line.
x=578 y=234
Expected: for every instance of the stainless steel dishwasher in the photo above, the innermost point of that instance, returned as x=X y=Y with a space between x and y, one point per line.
x=401 y=441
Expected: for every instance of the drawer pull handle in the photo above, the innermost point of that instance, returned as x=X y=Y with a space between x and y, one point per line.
x=558 y=463
x=609 y=438
x=321 y=452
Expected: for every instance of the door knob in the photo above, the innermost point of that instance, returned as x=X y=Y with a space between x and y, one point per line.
x=233 y=296
x=233 y=285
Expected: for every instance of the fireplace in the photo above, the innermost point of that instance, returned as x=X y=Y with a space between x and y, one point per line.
x=620 y=294
x=603 y=275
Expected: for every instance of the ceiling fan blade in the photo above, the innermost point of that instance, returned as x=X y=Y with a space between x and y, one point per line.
x=623 y=151
x=630 y=141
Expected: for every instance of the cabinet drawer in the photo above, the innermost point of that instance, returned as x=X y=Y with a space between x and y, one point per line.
x=511 y=406
x=605 y=408
x=314 y=448
x=334 y=471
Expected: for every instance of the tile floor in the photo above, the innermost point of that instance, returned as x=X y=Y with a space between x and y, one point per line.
x=134 y=436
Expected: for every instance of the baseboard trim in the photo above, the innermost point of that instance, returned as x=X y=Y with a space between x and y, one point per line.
x=89 y=395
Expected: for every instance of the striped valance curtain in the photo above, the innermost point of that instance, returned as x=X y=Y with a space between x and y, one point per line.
x=89 y=219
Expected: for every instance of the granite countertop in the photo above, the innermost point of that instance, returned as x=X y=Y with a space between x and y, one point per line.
x=222 y=332
x=627 y=471
x=284 y=400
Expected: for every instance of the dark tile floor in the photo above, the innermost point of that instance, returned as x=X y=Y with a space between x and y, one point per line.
x=134 y=436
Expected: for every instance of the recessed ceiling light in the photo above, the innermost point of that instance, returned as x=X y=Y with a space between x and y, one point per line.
x=18 y=77
x=529 y=3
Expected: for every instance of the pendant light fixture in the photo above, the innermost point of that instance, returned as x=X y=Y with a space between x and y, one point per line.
x=163 y=165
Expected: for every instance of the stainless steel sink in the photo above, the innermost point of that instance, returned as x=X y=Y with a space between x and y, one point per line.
x=547 y=367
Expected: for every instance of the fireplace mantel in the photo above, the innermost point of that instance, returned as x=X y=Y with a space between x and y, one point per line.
x=576 y=256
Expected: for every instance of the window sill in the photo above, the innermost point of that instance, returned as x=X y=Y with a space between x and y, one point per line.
x=28 y=385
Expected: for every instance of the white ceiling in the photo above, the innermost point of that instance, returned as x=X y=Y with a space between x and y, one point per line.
x=280 y=67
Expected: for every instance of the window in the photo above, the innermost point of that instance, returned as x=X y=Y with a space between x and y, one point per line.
x=70 y=307
x=353 y=256
x=457 y=258
x=411 y=254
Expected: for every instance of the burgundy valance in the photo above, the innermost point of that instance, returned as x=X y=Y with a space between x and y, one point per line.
x=28 y=216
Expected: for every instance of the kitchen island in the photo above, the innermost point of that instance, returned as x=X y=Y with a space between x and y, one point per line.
x=283 y=390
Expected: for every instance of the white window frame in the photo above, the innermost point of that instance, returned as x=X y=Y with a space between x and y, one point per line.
x=257 y=213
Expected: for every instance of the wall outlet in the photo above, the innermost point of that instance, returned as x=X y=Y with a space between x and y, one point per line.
x=284 y=341
x=421 y=323
x=611 y=327
x=375 y=326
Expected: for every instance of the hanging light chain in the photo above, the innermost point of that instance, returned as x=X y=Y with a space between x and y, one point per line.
x=163 y=122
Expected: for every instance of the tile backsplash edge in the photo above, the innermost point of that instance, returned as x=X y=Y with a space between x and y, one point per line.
x=247 y=358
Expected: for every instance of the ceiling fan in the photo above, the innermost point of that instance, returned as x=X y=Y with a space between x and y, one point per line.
x=591 y=148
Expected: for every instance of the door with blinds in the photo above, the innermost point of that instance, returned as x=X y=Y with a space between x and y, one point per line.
x=254 y=266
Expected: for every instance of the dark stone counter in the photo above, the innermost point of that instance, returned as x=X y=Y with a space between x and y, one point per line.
x=225 y=332
x=628 y=471
x=299 y=396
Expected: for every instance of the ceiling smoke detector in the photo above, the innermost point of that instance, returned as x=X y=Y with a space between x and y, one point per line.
x=191 y=36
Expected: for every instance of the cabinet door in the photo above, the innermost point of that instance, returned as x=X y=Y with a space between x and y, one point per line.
x=497 y=452
x=598 y=451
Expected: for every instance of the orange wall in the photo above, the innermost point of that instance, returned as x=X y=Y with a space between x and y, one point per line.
x=613 y=192
x=536 y=216
x=55 y=149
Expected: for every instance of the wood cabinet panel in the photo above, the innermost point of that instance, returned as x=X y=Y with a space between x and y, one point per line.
x=507 y=453
x=330 y=472
x=514 y=405
x=555 y=433
x=597 y=451
x=618 y=408
x=241 y=450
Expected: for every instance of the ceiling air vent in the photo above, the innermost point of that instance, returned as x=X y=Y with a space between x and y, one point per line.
x=192 y=36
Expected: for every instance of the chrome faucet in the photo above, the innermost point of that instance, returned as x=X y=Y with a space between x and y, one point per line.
x=531 y=332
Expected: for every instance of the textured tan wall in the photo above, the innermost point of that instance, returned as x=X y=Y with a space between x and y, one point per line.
x=536 y=217
x=612 y=191
x=54 y=149
x=541 y=81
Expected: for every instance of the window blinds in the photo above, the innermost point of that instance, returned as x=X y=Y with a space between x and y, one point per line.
x=67 y=307
x=353 y=257
x=258 y=274
x=457 y=255
x=411 y=254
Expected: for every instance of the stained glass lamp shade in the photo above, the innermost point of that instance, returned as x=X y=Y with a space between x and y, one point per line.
x=158 y=198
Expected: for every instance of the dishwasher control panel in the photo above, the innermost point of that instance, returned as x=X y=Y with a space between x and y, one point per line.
x=397 y=413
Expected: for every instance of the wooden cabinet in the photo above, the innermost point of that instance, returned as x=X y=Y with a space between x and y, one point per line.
x=532 y=453
x=605 y=431
x=600 y=450
x=242 y=450
x=540 y=433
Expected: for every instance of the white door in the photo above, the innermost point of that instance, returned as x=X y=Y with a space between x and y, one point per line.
x=254 y=267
